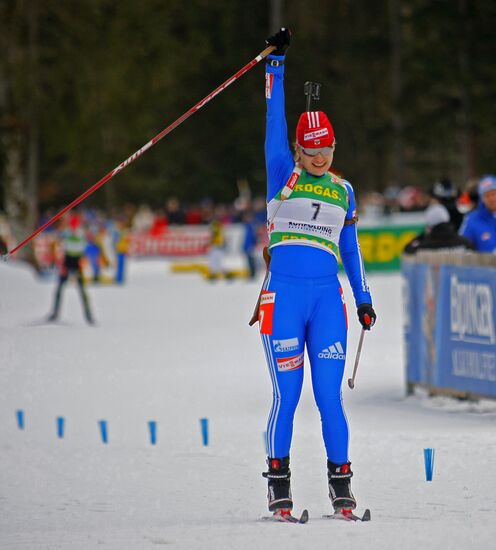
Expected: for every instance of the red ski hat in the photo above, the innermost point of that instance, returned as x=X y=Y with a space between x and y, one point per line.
x=314 y=130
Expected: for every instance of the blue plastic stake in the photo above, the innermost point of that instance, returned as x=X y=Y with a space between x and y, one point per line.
x=429 y=463
x=60 y=427
x=103 y=430
x=204 y=430
x=152 y=425
x=20 y=419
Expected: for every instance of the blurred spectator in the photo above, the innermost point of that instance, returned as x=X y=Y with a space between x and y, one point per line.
x=480 y=225
x=439 y=233
x=444 y=192
x=121 y=244
x=260 y=210
x=143 y=219
x=174 y=212
x=193 y=215
x=92 y=253
x=469 y=197
x=159 y=225
x=74 y=244
x=411 y=199
x=5 y=235
x=217 y=249
x=372 y=205
x=249 y=242
x=3 y=246
x=207 y=210
x=391 y=199
x=99 y=248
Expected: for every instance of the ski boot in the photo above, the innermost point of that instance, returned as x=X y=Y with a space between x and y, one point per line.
x=339 y=476
x=279 y=484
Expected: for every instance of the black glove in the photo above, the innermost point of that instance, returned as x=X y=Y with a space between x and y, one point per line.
x=280 y=40
x=366 y=316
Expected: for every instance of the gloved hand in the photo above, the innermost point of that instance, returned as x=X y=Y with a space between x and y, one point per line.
x=366 y=316
x=280 y=40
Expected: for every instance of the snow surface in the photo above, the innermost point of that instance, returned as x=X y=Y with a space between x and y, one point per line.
x=175 y=348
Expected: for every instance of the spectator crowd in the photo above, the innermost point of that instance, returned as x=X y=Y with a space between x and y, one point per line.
x=456 y=218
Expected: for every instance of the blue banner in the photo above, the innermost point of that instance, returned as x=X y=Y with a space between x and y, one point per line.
x=466 y=359
x=450 y=327
x=420 y=309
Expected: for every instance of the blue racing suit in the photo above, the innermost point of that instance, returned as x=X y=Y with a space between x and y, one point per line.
x=480 y=227
x=302 y=302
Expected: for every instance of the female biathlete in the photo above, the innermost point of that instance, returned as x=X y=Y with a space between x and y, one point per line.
x=311 y=216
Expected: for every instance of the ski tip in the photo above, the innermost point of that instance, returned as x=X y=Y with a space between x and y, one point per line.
x=348 y=515
x=287 y=517
x=304 y=516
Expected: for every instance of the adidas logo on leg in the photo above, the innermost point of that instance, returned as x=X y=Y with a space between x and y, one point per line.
x=335 y=351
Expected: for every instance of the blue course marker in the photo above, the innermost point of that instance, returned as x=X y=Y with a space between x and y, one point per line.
x=204 y=430
x=103 y=430
x=429 y=463
x=152 y=426
x=60 y=426
x=20 y=419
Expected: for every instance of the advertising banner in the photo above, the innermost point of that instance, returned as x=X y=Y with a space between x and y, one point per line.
x=420 y=301
x=466 y=333
x=450 y=327
x=382 y=246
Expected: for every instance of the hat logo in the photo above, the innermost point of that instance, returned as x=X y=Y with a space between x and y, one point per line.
x=316 y=134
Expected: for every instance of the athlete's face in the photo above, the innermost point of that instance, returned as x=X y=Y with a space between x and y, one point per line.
x=489 y=199
x=319 y=164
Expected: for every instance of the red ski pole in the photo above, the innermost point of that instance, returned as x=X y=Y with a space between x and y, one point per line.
x=145 y=147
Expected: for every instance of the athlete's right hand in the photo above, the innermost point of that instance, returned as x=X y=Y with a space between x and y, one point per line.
x=281 y=40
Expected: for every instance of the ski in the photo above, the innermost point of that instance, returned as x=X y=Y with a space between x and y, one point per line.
x=285 y=516
x=348 y=515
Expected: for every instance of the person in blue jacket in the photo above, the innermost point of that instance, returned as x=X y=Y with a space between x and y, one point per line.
x=311 y=218
x=479 y=225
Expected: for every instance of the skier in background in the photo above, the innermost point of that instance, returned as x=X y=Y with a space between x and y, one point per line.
x=74 y=245
x=302 y=300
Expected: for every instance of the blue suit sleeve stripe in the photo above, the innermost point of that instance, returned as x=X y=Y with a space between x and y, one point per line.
x=351 y=195
x=353 y=264
x=351 y=255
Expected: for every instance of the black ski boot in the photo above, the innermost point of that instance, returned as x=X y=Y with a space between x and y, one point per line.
x=279 y=481
x=339 y=476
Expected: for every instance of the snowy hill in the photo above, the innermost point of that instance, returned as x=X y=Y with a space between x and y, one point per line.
x=174 y=349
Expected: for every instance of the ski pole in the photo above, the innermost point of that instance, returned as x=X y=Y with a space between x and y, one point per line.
x=145 y=147
x=351 y=381
x=311 y=91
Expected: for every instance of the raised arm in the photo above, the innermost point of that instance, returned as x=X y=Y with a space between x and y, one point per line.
x=278 y=158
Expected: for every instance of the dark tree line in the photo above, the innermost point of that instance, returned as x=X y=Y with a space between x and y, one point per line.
x=410 y=86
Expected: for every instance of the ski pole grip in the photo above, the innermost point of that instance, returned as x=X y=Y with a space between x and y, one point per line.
x=367 y=319
x=266 y=52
